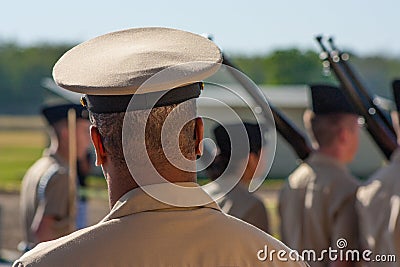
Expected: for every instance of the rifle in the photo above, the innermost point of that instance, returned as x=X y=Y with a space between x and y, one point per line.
x=363 y=90
x=377 y=128
x=285 y=127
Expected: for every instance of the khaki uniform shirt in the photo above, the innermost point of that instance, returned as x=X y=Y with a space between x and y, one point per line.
x=379 y=206
x=44 y=192
x=317 y=206
x=141 y=231
x=242 y=204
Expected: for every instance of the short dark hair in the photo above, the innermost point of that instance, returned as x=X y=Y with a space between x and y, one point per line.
x=110 y=128
x=324 y=129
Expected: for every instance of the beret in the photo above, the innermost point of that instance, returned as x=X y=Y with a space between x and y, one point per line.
x=224 y=141
x=56 y=113
x=396 y=93
x=328 y=99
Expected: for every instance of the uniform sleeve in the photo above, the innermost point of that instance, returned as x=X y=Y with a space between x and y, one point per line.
x=258 y=216
x=345 y=224
x=55 y=202
x=363 y=217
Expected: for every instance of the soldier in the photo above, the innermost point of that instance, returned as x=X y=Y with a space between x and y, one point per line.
x=160 y=216
x=378 y=203
x=45 y=201
x=316 y=204
x=239 y=202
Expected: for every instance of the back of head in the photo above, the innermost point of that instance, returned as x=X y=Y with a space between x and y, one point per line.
x=325 y=129
x=224 y=144
x=110 y=126
x=331 y=113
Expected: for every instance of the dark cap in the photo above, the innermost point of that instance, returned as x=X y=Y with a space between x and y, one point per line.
x=396 y=93
x=56 y=113
x=223 y=140
x=328 y=99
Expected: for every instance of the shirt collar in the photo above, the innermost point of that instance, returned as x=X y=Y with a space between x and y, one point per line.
x=137 y=200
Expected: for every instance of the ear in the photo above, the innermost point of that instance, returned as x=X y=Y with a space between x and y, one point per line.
x=343 y=135
x=199 y=133
x=253 y=160
x=308 y=115
x=64 y=133
x=98 y=145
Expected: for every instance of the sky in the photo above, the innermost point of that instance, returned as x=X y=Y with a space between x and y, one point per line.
x=241 y=27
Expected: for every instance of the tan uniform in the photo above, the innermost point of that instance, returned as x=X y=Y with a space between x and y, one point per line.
x=45 y=193
x=317 y=206
x=378 y=204
x=242 y=204
x=141 y=231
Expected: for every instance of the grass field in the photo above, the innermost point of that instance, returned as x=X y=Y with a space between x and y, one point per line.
x=18 y=150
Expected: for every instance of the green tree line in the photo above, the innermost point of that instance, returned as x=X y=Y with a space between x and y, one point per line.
x=23 y=68
x=21 y=72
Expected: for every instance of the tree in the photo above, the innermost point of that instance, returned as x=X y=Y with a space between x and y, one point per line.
x=284 y=67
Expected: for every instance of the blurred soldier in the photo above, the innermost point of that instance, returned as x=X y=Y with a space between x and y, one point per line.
x=316 y=204
x=239 y=202
x=45 y=207
x=83 y=167
x=160 y=216
x=378 y=204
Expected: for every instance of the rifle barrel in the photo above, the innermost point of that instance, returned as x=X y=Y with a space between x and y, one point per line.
x=283 y=125
x=363 y=92
x=383 y=136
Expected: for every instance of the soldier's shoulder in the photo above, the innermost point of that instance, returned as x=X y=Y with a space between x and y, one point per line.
x=301 y=176
x=50 y=253
x=382 y=184
x=46 y=164
x=252 y=243
x=232 y=240
x=249 y=233
x=387 y=174
x=367 y=192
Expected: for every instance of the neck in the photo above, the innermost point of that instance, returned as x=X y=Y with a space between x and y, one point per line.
x=63 y=153
x=247 y=176
x=333 y=152
x=59 y=149
x=120 y=182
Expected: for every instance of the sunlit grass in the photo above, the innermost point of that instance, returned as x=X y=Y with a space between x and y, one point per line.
x=18 y=150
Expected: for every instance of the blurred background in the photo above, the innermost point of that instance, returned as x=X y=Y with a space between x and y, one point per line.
x=271 y=41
